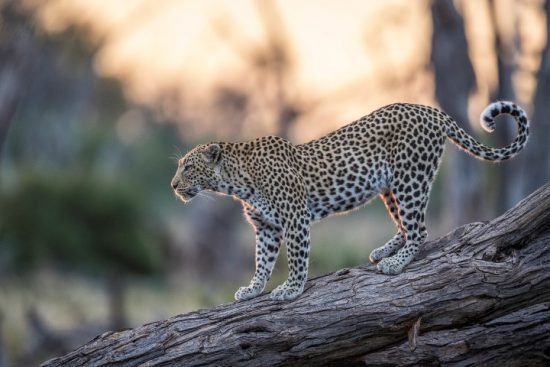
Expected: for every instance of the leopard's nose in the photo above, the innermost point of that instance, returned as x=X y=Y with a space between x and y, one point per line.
x=174 y=184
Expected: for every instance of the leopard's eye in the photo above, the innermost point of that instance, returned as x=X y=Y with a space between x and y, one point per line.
x=187 y=167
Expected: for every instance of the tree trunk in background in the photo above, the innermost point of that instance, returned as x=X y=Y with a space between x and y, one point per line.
x=497 y=313
x=16 y=56
x=2 y=353
x=115 y=295
x=507 y=183
x=278 y=68
x=535 y=169
x=454 y=81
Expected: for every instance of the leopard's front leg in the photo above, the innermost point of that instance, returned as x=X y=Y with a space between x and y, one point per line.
x=297 y=239
x=268 y=242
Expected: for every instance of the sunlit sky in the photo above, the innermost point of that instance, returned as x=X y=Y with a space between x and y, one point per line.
x=350 y=56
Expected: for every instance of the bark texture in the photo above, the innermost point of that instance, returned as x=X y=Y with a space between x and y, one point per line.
x=478 y=296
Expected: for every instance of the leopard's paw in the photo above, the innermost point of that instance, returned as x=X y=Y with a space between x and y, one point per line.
x=285 y=292
x=391 y=266
x=378 y=254
x=244 y=293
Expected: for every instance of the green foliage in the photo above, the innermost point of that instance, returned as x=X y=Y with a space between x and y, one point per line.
x=77 y=222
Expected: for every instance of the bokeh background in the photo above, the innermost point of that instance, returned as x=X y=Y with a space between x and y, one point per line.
x=98 y=98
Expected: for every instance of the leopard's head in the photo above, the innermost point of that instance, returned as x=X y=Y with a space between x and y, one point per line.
x=198 y=170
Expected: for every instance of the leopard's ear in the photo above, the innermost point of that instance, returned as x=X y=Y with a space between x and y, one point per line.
x=212 y=154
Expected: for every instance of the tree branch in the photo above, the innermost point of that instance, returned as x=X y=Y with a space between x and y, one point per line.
x=480 y=295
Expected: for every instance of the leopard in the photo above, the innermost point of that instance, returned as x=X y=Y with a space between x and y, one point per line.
x=392 y=153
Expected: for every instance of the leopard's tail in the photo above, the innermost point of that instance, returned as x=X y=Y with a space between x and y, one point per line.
x=487 y=119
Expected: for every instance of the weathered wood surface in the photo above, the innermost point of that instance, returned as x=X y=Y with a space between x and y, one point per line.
x=481 y=293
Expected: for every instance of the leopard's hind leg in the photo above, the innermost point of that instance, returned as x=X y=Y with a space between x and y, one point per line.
x=411 y=191
x=397 y=241
x=415 y=170
x=411 y=213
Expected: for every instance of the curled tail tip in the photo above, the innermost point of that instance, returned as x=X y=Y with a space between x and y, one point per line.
x=487 y=123
x=487 y=118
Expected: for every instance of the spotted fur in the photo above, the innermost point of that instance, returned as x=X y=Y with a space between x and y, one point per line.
x=394 y=152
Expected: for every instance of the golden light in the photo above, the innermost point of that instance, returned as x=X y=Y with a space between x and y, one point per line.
x=347 y=59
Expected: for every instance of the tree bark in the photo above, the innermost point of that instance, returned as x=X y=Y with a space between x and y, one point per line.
x=478 y=296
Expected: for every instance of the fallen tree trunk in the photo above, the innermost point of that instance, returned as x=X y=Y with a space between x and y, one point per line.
x=480 y=295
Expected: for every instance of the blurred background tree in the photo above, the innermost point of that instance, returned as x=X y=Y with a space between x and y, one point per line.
x=79 y=223
x=98 y=97
x=454 y=83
